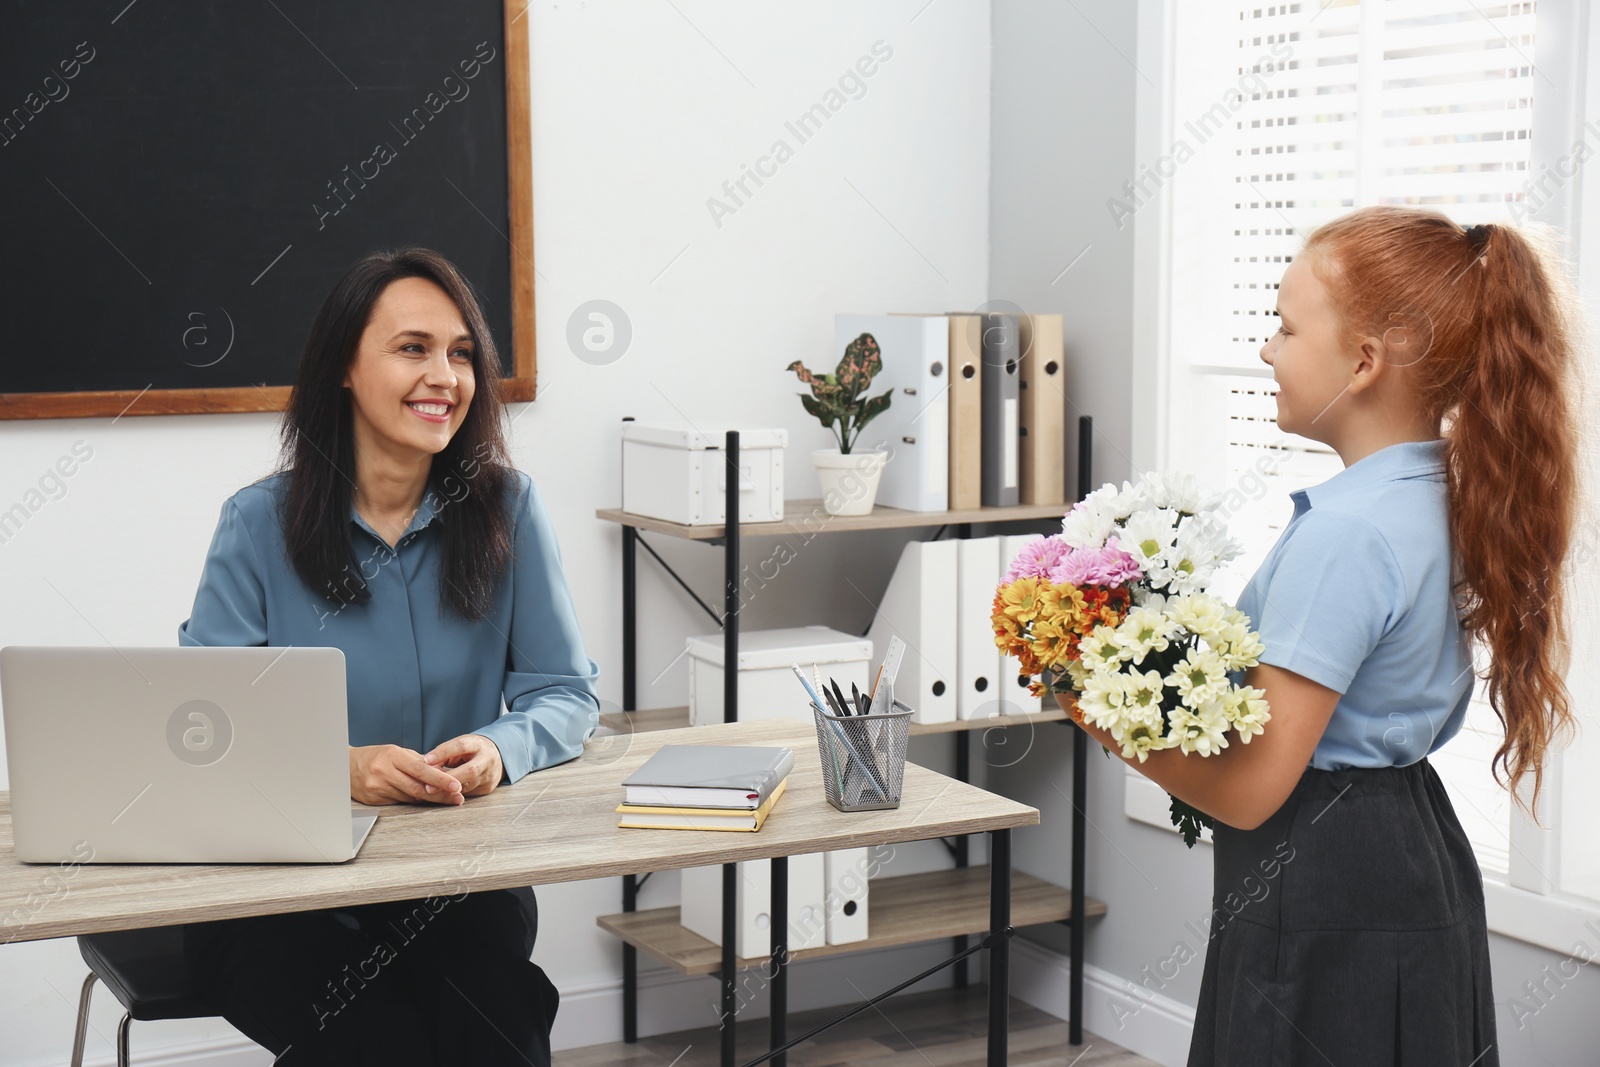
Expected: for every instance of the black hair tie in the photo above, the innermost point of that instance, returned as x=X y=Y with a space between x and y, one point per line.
x=1478 y=235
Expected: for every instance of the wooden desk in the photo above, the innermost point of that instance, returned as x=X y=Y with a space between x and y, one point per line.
x=555 y=825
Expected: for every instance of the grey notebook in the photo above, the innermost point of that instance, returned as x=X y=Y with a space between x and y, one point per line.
x=709 y=776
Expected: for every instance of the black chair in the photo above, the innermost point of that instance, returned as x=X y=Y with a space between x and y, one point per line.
x=146 y=972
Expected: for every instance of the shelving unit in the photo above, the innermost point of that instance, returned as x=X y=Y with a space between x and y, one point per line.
x=905 y=909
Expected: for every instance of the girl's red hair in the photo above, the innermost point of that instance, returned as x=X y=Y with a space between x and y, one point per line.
x=1490 y=348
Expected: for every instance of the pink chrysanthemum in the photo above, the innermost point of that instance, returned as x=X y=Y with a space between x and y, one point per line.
x=1037 y=558
x=1107 y=566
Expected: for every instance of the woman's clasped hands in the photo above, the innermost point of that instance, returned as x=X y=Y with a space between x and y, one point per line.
x=464 y=766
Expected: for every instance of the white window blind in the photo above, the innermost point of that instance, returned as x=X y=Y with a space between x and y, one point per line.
x=1293 y=114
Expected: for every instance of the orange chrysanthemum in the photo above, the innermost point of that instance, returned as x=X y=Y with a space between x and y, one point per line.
x=1042 y=623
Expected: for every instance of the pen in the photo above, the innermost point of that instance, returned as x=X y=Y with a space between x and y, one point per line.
x=813 y=693
x=838 y=772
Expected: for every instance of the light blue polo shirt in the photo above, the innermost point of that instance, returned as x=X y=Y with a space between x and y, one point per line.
x=415 y=674
x=1356 y=595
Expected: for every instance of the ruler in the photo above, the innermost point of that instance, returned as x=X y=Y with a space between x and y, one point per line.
x=884 y=685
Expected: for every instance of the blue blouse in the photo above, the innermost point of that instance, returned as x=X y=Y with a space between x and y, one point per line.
x=1357 y=596
x=416 y=675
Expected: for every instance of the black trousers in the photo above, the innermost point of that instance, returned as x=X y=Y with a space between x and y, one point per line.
x=441 y=980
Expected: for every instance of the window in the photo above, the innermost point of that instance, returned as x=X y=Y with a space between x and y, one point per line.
x=1272 y=119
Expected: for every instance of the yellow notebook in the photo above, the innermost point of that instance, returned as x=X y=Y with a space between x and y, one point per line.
x=641 y=817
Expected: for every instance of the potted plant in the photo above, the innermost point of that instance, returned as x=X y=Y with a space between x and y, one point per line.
x=840 y=402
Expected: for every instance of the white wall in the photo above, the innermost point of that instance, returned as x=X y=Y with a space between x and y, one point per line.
x=640 y=113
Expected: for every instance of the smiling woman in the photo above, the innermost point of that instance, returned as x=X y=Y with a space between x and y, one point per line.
x=394 y=453
x=399 y=328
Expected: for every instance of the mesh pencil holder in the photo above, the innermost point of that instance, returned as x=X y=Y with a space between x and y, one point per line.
x=863 y=757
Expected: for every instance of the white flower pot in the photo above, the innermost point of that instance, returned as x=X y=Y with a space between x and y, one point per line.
x=849 y=481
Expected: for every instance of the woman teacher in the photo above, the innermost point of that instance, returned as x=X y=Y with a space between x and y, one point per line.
x=397 y=530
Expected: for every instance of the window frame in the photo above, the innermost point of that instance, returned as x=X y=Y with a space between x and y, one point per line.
x=1525 y=904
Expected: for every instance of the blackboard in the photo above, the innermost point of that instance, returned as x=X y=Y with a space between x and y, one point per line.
x=182 y=182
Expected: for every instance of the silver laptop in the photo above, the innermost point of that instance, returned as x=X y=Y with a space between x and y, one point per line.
x=179 y=755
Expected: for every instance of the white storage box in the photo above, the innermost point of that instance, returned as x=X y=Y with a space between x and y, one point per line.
x=678 y=472
x=768 y=689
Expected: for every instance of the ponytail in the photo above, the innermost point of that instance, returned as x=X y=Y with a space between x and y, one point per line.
x=1511 y=467
x=1498 y=375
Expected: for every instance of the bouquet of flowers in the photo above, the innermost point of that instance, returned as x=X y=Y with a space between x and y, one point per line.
x=1114 y=610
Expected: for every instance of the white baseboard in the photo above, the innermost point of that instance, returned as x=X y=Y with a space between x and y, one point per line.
x=1156 y=1027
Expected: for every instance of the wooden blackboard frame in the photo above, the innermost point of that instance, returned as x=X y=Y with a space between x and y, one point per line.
x=518 y=387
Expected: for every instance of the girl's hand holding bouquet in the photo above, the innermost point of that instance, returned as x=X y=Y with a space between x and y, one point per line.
x=1114 y=610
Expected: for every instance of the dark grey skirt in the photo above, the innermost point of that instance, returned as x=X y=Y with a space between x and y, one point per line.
x=1348 y=930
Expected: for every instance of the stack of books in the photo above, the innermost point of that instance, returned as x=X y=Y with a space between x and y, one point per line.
x=705 y=787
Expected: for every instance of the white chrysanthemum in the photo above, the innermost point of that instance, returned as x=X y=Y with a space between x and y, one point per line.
x=1203 y=729
x=1101 y=649
x=1180 y=492
x=1118 y=503
x=1196 y=554
x=1145 y=597
x=1246 y=710
x=1088 y=525
x=1199 y=613
x=1145 y=630
x=1238 y=645
x=1214 y=534
x=1148 y=537
x=1188 y=569
x=1078 y=673
x=1140 y=732
x=1143 y=691
x=1199 y=677
x=1104 y=696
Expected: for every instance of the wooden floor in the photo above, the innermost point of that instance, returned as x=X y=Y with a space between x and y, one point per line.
x=940 y=1028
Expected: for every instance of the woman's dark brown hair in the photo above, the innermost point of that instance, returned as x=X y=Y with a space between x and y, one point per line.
x=1496 y=366
x=471 y=477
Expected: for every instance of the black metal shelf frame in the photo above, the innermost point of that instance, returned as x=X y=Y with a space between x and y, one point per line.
x=998 y=938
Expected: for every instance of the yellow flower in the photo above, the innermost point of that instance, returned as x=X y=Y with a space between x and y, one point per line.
x=1045 y=641
x=1020 y=599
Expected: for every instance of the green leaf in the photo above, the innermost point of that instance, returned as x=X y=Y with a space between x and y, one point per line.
x=1189 y=820
x=824 y=414
x=800 y=369
x=871 y=409
x=823 y=386
x=861 y=361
